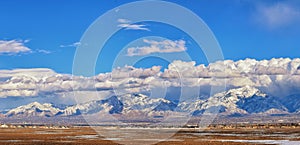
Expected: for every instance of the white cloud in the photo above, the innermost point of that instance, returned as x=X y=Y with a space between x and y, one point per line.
x=75 y=44
x=129 y=71
x=278 y=14
x=34 y=72
x=279 y=77
x=13 y=47
x=43 y=51
x=166 y=46
x=124 y=23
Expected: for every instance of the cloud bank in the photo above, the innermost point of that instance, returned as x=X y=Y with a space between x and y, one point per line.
x=279 y=77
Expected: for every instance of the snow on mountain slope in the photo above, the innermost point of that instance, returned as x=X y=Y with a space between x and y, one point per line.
x=111 y=105
x=34 y=109
x=244 y=100
x=114 y=105
x=292 y=103
x=146 y=104
x=259 y=104
x=191 y=106
x=121 y=105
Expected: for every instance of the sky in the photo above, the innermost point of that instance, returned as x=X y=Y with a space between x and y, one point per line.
x=45 y=34
x=40 y=39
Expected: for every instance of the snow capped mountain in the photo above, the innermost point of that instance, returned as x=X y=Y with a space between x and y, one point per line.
x=146 y=104
x=34 y=109
x=244 y=100
x=111 y=105
x=245 y=92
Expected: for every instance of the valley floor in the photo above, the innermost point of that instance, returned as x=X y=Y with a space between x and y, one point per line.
x=192 y=136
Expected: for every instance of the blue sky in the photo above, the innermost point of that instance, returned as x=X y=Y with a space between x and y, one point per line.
x=50 y=29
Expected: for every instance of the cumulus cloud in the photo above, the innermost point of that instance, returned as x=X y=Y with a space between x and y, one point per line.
x=13 y=46
x=278 y=14
x=124 y=23
x=129 y=71
x=165 y=46
x=279 y=77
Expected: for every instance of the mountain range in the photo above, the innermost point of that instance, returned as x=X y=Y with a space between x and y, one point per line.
x=244 y=100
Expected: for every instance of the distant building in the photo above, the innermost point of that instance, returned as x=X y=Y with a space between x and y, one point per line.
x=3 y=126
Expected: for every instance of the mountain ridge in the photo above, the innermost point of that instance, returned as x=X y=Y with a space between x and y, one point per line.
x=243 y=100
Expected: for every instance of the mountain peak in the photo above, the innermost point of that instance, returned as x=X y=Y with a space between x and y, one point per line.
x=34 y=108
x=246 y=91
x=244 y=100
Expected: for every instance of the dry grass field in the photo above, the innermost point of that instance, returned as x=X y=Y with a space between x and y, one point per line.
x=86 y=135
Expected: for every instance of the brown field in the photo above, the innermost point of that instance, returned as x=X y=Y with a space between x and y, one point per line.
x=86 y=135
